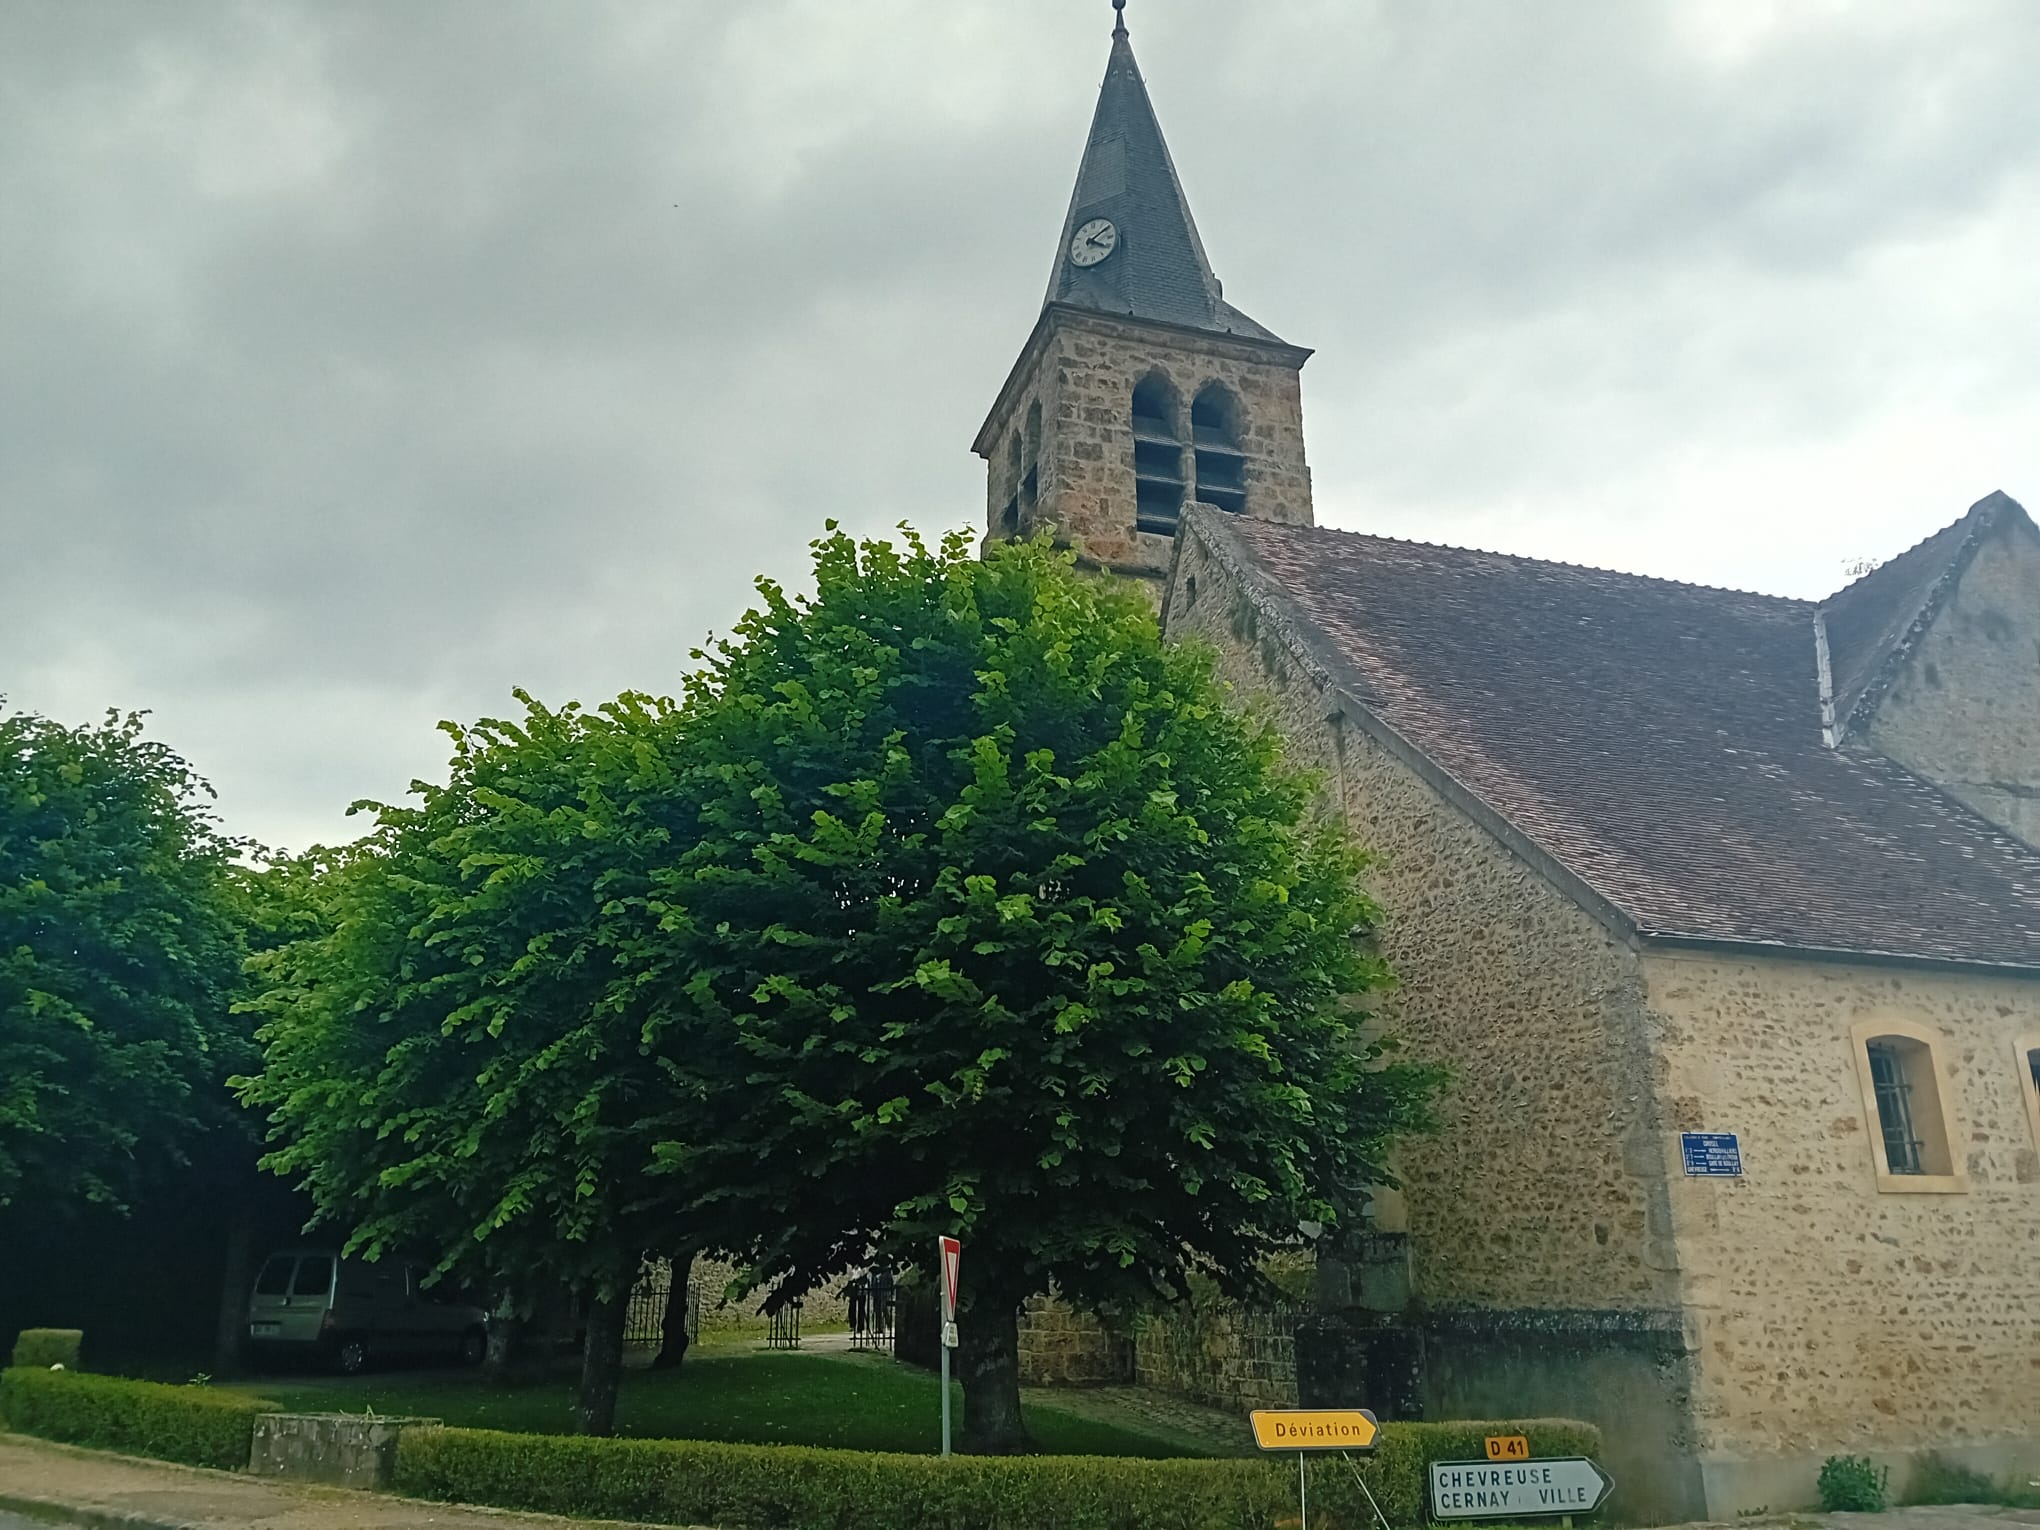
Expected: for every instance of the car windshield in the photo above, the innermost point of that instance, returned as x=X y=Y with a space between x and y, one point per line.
x=275 y=1277
x=314 y=1277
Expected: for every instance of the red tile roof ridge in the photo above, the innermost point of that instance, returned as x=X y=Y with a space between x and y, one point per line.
x=1793 y=602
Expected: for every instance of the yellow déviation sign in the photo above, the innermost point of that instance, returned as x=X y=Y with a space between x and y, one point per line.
x=1315 y=1429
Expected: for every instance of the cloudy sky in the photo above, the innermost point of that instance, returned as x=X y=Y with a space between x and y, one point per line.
x=359 y=361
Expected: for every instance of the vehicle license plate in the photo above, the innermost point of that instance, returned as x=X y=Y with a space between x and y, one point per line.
x=265 y=1330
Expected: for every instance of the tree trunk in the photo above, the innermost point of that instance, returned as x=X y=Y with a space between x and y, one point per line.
x=988 y=1356
x=231 y=1331
x=505 y=1331
x=673 y=1330
x=601 y=1364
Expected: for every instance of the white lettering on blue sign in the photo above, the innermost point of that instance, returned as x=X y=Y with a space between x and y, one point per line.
x=1711 y=1155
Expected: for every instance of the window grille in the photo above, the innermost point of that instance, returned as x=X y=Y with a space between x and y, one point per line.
x=1902 y=1146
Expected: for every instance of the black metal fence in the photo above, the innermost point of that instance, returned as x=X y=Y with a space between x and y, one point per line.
x=644 y=1320
x=783 y=1331
x=870 y=1302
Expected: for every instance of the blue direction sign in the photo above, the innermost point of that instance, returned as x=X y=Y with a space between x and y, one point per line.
x=1711 y=1155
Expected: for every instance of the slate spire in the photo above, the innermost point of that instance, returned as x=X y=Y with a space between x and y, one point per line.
x=1158 y=269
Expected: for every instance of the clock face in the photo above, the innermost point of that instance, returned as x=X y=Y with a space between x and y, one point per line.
x=1093 y=242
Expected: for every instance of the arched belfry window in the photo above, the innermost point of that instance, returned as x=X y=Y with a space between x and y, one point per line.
x=1216 y=431
x=1157 y=455
x=1009 y=517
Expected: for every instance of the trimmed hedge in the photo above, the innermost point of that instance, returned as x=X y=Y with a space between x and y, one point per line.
x=195 y=1425
x=41 y=1348
x=749 y=1487
x=791 y=1487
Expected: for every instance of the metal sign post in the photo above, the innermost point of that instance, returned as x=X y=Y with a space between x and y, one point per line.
x=948 y=1257
x=1306 y=1429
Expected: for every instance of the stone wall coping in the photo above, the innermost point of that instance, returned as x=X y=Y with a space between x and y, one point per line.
x=353 y=1418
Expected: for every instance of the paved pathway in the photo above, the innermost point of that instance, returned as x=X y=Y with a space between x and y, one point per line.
x=1149 y=1412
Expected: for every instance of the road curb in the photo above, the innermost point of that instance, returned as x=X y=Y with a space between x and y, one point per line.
x=57 y=1512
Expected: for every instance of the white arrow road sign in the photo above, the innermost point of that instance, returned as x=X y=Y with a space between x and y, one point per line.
x=1516 y=1489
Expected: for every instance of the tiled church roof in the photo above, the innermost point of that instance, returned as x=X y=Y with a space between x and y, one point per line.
x=1659 y=742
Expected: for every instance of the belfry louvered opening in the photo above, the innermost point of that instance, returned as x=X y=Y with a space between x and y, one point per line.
x=1216 y=432
x=1157 y=456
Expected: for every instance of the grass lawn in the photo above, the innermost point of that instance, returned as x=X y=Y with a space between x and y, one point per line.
x=855 y=1402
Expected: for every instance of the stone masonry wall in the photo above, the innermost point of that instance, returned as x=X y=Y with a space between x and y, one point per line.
x=1062 y=1347
x=1082 y=374
x=826 y=1307
x=1964 y=710
x=1222 y=1355
x=1828 y=1315
x=1546 y=1187
x=1815 y=1313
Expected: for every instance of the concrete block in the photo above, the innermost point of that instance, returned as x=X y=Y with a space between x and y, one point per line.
x=340 y=1449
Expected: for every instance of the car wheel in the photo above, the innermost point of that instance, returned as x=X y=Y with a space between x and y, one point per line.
x=351 y=1357
x=474 y=1347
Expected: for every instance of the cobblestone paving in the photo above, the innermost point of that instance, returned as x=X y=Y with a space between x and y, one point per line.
x=1149 y=1412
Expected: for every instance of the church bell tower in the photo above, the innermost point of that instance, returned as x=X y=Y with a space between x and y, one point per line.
x=1140 y=390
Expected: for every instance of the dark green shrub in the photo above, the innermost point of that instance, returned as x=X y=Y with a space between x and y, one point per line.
x=195 y=1425
x=1936 y=1479
x=797 y=1488
x=1853 y=1484
x=41 y=1348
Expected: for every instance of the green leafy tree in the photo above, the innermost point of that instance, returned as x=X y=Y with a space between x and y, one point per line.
x=458 y=1054
x=120 y=954
x=1024 y=936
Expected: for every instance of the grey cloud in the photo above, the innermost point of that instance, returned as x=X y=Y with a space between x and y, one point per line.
x=360 y=362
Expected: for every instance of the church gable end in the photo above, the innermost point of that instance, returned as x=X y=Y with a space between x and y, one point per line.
x=1937 y=662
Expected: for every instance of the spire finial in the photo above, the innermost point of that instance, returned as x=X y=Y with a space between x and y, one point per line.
x=1118 y=18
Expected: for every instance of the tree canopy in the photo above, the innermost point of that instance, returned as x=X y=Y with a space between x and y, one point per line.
x=1025 y=935
x=948 y=899
x=121 y=946
x=459 y=1054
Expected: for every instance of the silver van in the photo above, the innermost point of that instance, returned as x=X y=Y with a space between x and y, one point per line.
x=311 y=1302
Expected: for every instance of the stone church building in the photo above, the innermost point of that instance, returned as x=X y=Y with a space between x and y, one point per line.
x=1662 y=865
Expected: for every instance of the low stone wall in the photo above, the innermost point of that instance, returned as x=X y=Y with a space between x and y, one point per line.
x=1062 y=1347
x=340 y=1449
x=824 y=1308
x=1629 y=1371
x=1221 y=1354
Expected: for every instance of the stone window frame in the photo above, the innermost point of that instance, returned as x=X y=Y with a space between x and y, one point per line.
x=1929 y=1111
x=2023 y=1048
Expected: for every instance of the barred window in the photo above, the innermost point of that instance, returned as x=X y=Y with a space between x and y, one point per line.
x=1894 y=1109
x=2027 y=1050
x=1909 y=1105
